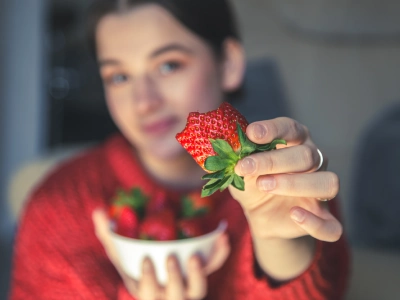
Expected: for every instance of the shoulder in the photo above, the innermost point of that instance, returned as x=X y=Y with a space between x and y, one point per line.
x=82 y=181
x=83 y=168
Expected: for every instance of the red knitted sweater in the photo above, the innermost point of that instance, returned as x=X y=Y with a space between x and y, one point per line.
x=57 y=255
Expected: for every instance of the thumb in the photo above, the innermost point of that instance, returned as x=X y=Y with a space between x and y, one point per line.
x=103 y=232
x=101 y=224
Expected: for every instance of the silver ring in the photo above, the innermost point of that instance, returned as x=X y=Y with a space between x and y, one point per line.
x=323 y=200
x=321 y=160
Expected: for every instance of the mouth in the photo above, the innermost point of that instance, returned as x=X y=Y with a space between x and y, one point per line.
x=160 y=126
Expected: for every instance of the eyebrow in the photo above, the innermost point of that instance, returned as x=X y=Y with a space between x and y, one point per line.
x=171 y=47
x=108 y=62
x=160 y=51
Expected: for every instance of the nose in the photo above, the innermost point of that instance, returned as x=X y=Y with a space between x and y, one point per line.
x=145 y=95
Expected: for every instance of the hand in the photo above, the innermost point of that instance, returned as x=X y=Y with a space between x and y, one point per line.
x=147 y=288
x=282 y=188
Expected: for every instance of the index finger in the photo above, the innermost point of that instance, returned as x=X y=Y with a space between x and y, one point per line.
x=262 y=132
x=100 y=222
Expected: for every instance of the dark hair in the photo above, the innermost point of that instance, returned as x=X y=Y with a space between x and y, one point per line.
x=211 y=20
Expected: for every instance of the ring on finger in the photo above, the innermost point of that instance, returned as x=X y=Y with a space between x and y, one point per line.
x=323 y=199
x=321 y=160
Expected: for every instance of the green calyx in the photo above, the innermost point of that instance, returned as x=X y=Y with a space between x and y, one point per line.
x=223 y=164
x=189 y=211
x=134 y=198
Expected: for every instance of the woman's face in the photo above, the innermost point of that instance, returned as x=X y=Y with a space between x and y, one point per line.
x=155 y=72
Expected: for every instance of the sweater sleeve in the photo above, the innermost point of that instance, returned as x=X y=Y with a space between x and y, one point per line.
x=325 y=278
x=56 y=253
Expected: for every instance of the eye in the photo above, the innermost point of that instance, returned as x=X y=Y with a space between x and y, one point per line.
x=169 y=67
x=116 y=79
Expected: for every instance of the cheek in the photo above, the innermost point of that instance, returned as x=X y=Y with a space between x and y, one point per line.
x=111 y=104
x=113 y=108
x=119 y=108
x=201 y=92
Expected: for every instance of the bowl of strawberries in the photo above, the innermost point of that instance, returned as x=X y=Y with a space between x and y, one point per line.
x=153 y=226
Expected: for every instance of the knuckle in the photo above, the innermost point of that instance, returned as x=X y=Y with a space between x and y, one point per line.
x=263 y=162
x=273 y=129
x=294 y=126
x=334 y=231
x=325 y=229
x=287 y=183
x=269 y=163
x=333 y=185
x=339 y=232
x=308 y=156
x=320 y=229
x=299 y=128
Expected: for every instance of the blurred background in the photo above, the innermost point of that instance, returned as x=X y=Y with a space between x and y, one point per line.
x=336 y=61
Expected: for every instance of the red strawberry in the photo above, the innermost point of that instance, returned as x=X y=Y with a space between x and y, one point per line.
x=114 y=211
x=200 y=127
x=133 y=199
x=191 y=227
x=159 y=226
x=216 y=141
x=160 y=201
x=127 y=223
x=195 y=205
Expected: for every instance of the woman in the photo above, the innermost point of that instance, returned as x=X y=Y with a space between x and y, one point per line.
x=160 y=60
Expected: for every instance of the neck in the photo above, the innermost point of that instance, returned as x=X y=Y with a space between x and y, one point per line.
x=181 y=172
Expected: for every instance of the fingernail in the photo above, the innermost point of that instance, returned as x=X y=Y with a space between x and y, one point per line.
x=268 y=184
x=247 y=166
x=298 y=215
x=171 y=265
x=258 y=131
x=146 y=266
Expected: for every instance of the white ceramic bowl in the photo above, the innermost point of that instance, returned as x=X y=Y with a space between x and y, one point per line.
x=131 y=252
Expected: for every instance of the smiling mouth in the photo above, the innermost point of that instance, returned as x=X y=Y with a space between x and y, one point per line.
x=160 y=127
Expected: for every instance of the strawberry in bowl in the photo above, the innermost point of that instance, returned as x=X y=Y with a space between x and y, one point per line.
x=125 y=211
x=159 y=226
x=155 y=227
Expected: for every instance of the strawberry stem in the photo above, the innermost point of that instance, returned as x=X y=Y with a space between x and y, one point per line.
x=223 y=164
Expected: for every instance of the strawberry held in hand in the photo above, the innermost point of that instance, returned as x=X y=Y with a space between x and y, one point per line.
x=216 y=140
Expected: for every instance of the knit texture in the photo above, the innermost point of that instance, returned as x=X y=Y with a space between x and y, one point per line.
x=57 y=255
